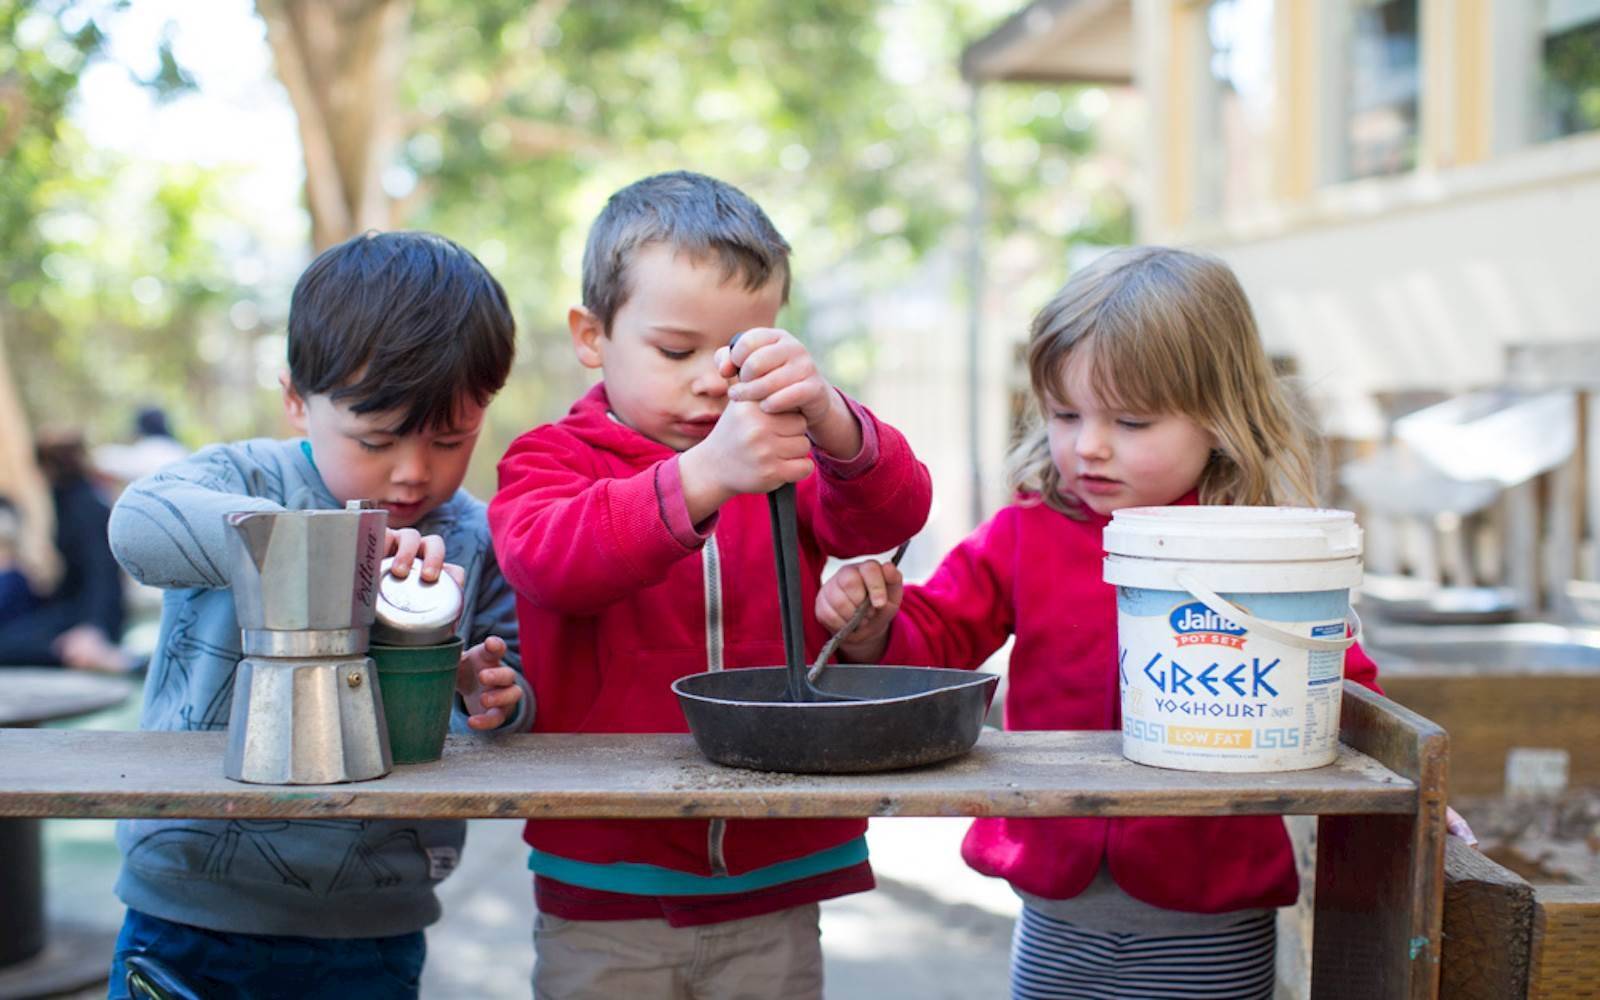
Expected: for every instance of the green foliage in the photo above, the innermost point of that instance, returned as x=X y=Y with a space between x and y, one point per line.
x=113 y=277
x=38 y=76
x=1572 y=79
x=845 y=119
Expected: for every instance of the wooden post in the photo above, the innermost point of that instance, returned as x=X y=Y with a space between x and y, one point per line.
x=1562 y=530
x=1522 y=544
x=1380 y=879
x=1488 y=927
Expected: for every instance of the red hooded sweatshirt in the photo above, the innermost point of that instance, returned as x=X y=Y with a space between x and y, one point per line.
x=618 y=595
x=1035 y=573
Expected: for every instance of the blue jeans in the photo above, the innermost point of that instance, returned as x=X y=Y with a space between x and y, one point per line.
x=223 y=966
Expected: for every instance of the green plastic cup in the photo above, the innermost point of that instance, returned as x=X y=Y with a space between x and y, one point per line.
x=418 y=685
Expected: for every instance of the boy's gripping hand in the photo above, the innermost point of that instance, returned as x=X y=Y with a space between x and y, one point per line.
x=874 y=581
x=406 y=544
x=747 y=451
x=776 y=371
x=488 y=687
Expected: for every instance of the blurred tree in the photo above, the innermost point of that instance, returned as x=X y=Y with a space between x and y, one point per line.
x=340 y=61
x=541 y=107
x=513 y=120
x=39 y=70
x=110 y=269
x=505 y=124
x=35 y=85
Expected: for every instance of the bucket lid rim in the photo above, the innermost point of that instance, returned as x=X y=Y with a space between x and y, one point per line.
x=1234 y=514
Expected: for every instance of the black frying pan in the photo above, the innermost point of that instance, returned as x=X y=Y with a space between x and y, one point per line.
x=871 y=718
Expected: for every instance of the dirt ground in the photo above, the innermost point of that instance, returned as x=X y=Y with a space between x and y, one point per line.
x=1545 y=840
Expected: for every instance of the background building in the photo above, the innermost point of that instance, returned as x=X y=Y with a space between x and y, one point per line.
x=1408 y=190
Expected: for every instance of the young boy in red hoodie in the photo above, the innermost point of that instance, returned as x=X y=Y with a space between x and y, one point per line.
x=638 y=540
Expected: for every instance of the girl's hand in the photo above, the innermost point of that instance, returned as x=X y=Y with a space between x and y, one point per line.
x=880 y=584
x=1454 y=824
x=405 y=544
x=487 y=686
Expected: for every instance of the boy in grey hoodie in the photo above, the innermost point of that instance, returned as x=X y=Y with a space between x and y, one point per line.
x=397 y=343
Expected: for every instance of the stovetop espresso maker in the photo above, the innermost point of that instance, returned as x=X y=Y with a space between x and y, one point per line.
x=306 y=706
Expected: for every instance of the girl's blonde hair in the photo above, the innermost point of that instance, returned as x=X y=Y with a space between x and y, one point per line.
x=1168 y=331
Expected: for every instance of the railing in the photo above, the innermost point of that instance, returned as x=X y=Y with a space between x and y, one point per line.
x=1493 y=508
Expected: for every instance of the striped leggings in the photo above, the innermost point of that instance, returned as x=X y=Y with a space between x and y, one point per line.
x=1052 y=959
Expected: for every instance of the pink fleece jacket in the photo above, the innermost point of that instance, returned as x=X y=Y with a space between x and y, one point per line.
x=618 y=595
x=1036 y=573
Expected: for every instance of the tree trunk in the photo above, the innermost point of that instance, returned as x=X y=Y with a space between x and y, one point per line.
x=340 y=61
x=24 y=486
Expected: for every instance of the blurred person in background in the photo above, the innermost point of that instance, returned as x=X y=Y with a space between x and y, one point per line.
x=16 y=596
x=78 y=622
x=153 y=446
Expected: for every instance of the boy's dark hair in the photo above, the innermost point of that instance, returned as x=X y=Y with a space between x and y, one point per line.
x=400 y=321
x=699 y=215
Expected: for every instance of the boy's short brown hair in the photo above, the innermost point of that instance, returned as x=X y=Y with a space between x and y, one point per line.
x=699 y=215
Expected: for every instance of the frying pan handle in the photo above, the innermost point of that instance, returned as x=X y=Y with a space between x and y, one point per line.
x=786 y=543
x=786 y=546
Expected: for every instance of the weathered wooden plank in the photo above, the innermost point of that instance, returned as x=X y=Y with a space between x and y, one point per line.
x=1566 y=943
x=1488 y=927
x=31 y=695
x=1380 y=879
x=126 y=774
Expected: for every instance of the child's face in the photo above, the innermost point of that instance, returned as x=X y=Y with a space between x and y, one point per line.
x=658 y=355
x=360 y=459
x=1110 y=459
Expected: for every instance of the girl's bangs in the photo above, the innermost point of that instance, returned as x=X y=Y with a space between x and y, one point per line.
x=1133 y=374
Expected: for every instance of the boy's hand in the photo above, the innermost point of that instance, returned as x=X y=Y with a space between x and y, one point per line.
x=748 y=451
x=405 y=544
x=487 y=686
x=776 y=371
x=877 y=582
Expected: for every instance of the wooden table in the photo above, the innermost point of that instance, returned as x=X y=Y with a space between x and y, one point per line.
x=31 y=695
x=1381 y=804
x=29 y=966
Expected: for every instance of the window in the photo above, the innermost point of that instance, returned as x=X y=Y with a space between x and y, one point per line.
x=1384 y=83
x=1235 y=108
x=1570 y=57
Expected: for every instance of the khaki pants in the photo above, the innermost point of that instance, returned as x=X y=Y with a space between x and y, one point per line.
x=771 y=956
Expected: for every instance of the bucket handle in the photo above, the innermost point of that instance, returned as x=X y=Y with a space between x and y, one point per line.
x=1225 y=608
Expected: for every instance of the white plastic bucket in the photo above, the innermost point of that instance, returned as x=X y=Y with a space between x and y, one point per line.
x=1231 y=629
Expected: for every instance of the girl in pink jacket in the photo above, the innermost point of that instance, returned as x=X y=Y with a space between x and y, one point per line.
x=1152 y=389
